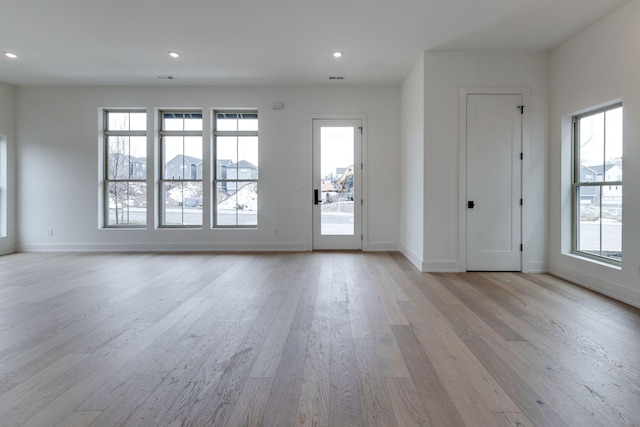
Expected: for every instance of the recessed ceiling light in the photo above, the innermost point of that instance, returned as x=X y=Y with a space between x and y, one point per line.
x=337 y=54
x=10 y=55
x=174 y=54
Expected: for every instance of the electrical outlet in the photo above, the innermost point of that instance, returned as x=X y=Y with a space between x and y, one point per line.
x=49 y=232
x=276 y=231
x=302 y=188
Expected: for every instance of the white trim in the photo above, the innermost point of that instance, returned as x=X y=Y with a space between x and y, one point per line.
x=462 y=164
x=166 y=247
x=440 y=267
x=411 y=256
x=382 y=247
x=536 y=267
x=605 y=287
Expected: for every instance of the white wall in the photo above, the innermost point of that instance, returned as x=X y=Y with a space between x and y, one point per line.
x=58 y=165
x=412 y=165
x=8 y=178
x=445 y=73
x=597 y=66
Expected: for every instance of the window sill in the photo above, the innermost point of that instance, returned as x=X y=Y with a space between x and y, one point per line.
x=581 y=257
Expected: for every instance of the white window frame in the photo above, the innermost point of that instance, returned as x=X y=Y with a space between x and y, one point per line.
x=217 y=133
x=184 y=133
x=106 y=181
x=576 y=184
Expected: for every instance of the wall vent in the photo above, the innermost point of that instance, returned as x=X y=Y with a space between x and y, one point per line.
x=162 y=77
x=336 y=77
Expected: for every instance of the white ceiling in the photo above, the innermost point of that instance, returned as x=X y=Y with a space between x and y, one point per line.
x=266 y=42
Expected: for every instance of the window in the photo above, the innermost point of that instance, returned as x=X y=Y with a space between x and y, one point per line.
x=125 y=176
x=236 y=169
x=181 y=169
x=597 y=184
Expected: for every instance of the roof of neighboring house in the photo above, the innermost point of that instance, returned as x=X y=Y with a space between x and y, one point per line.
x=224 y=162
x=244 y=164
x=188 y=159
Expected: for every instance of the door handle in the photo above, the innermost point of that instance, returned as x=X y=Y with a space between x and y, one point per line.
x=316 y=197
x=471 y=204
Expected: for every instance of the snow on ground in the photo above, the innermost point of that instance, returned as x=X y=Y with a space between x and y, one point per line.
x=245 y=199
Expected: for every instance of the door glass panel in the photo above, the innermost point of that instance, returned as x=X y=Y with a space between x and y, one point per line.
x=337 y=186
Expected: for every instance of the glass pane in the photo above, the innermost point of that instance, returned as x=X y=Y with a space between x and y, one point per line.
x=227 y=156
x=336 y=163
x=172 y=121
x=118 y=165
x=227 y=121
x=117 y=121
x=182 y=203
x=137 y=121
x=613 y=148
x=127 y=203
x=172 y=147
x=612 y=221
x=193 y=121
x=237 y=204
x=592 y=144
x=248 y=157
x=248 y=122
x=589 y=220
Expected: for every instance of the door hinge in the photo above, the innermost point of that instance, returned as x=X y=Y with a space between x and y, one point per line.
x=361 y=166
x=520 y=247
x=361 y=202
x=360 y=127
x=520 y=202
x=521 y=107
x=361 y=238
x=521 y=156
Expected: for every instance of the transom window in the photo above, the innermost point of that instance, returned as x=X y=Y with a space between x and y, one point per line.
x=236 y=169
x=597 y=184
x=125 y=169
x=181 y=168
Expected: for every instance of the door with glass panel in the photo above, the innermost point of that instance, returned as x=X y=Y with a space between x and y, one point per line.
x=337 y=184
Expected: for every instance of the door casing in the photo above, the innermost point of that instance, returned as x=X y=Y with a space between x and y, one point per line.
x=462 y=194
x=364 y=181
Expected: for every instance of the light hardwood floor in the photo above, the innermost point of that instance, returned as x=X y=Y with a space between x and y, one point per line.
x=318 y=339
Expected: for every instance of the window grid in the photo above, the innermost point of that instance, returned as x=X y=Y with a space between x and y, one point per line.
x=181 y=166
x=235 y=183
x=597 y=185
x=125 y=158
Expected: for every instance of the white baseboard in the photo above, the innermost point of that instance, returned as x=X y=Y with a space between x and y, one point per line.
x=596 y=284
x=167 y=247
x=536 y=267
x=440 y=267
x=383 y=247
x=411 y=256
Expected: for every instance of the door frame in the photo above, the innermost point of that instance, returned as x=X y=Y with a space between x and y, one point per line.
x=462 y=166
x=364 y=173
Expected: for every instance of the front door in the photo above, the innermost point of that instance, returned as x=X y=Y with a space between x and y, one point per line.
x=494 y=146
x=337 y=184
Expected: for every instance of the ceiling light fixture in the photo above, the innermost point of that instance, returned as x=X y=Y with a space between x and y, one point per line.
x=174 y=54
x=10 y=55
x=337 y=54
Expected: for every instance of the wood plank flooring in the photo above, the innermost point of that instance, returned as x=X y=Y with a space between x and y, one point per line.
x=306 y=339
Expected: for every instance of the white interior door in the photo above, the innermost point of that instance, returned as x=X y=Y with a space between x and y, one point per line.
x=494 y=146
x=337 y=184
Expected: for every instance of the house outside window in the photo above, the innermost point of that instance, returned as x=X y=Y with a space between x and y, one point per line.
x=597 y=184
x=125 y=176
x=181 y=168
x=236 y=169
